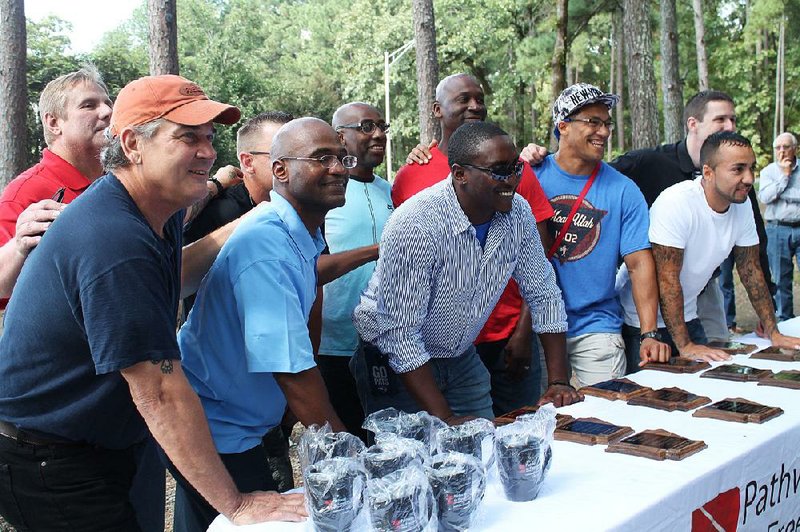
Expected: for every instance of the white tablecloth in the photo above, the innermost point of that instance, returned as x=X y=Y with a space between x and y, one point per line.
x=588 y=489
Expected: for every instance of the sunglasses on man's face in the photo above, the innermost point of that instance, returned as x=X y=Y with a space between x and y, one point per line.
x=501 y=172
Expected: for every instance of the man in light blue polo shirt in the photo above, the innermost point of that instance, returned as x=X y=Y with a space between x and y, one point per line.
x=357 y=224
x=245 y=347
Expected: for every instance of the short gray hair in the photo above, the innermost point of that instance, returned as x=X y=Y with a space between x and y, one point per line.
x=785 y=134
x=53 y=99
x=113 y=156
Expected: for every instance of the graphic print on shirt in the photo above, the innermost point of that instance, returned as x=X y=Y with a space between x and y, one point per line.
x=583 y=234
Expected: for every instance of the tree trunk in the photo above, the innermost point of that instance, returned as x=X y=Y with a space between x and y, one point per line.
x=670 y=77
x=163 y=36
x=13 y=90
x=427 y=68
x=558 y=64
x=641 y=78
x=700 y=40
x=618 y=36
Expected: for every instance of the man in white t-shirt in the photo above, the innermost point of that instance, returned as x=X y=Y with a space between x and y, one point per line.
x=694 y=225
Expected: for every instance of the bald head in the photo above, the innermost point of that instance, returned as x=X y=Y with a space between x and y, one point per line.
x=453 y=81
x=299 y=137
x=352 y=112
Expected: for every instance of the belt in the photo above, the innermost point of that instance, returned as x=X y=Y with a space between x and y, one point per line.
x=34 y=438
x=785 y=224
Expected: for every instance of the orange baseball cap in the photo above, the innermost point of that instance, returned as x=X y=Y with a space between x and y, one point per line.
x=172 y=97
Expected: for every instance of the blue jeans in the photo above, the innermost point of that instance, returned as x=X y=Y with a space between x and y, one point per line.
x=508 y=394
x=632 y=334
x=728 y=292
x=463 y=380
x=783 y=243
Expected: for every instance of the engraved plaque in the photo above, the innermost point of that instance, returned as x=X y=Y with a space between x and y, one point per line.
x=658 y=445
x=614 y=389
x=733 y=348
x=512 y=416
x=591 y=431
x=679 y=365
x=739 y=410
x=670 y=399
x=783 y=379
x=778 y=353
x=737 y=372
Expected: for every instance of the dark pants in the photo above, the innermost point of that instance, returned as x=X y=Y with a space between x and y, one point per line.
x=149 y=487
x=508 y=394
x=631 y=336
x=250 y=472
x=52 y=488
x=342 y=392
x=728 y=291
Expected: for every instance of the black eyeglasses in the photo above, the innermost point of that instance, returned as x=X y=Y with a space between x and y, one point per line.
x=596 y=123
x=258 y=152
x=328 y=161
x=501 y=172
x=366 y=127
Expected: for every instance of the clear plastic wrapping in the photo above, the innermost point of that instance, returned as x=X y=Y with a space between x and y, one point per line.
x=475 y=437
x=523 y=453
x=318 y=443
x=420 y=426
x=392 y=452
x=334 y=493
x=402 y=501
x=458 y=481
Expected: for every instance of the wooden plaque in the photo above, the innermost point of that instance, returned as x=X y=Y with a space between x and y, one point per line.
x=614 y=389
x=733 y=348
x=784 y=379
x=679 y=365
x=512 y=416
x=737 y=372
x=779 y=354
x=658 y=445
x=591 y=431
x=670 y=399
x=739 y=410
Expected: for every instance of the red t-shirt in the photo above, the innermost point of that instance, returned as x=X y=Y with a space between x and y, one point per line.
x=38 y=182
x=413 y=178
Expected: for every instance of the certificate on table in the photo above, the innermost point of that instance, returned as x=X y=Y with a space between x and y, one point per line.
x=747 y=479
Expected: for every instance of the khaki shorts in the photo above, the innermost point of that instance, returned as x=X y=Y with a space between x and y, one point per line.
x=596 y=357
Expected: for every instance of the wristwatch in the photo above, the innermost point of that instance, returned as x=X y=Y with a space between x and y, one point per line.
x=655 y=335
x=219 y=186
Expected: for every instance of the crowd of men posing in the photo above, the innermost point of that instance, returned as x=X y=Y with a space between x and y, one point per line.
x=317 y=292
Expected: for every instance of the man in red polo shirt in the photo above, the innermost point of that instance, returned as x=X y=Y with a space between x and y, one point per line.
x=505 y=344
x=75 y=109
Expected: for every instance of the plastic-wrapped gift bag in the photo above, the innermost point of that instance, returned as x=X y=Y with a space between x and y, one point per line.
x=475 y=437
x=458 y=481
x=392 y=452
x=334 y=493
x=402 y=501
x=419 y=426
x=523 y=454
x=318 y=443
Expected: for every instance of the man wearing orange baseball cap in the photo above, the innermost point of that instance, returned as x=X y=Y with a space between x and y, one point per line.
x=89 y=361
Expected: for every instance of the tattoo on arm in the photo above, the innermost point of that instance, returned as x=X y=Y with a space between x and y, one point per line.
x=166 y=365
x=669 y=262
x=749 y=268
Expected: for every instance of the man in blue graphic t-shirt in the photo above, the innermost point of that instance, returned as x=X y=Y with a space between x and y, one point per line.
x=610 y=223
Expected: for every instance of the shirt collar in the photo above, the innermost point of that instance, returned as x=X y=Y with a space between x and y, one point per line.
x=67 y=173
x=455 y=216
x=310 y=247
x=684 y=160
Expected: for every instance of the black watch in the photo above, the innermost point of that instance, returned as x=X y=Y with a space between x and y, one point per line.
x=655 y=335
x=219 y=186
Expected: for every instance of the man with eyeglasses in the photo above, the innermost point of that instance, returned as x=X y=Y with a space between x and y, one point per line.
x=600 y=217
x=446 y=256
x=779 y=190
x=357 y=224
x=246 y=348
x=506 y=344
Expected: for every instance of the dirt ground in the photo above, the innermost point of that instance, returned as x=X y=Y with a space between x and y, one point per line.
x=745 y=318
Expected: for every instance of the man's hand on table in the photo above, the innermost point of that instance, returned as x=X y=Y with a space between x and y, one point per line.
x=651 y=350
x=702 y=352
x=785 y=342
x=260 y=506
x=560 y=395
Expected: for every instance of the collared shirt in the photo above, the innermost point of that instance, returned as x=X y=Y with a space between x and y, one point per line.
x=780 y=193
x=249 y=321
x=434 y=286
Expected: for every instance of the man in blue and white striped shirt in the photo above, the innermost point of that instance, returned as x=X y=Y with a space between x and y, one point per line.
x=446 y=256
